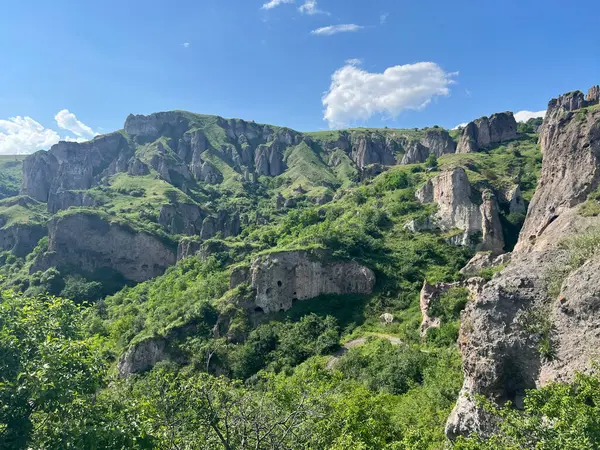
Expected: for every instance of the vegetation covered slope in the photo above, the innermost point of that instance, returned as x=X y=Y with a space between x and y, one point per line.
x=328 y=373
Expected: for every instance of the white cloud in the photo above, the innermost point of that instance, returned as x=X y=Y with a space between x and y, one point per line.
x=460 y=125
x=355 y=94
x=354 y=61
x=273 y=3
x=21 y=135
x=68 y=121
x=186 y=44
x=310 y=7
x=383 y=18
x=524 y=116
x=333 y=29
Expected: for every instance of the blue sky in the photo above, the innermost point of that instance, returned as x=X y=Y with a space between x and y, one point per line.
x=71 y=69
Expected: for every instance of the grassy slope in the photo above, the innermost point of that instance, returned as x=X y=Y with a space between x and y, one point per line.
x=11 y=174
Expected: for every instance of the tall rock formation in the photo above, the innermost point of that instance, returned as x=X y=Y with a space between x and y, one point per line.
x=457 y=209
x=485 y=131
x=518 y=334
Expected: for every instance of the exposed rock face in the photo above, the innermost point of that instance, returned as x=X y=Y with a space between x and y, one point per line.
x=373 y=149
x=143 y=356
x=88 y=242
x=514 y=198
x=72 y=165
x=282 y=278
x=63 y=199
x=181 y=218
x=225 y=223
x=187 y=247
x=454 y=196
x=485 y=131
x=432 y=292
x=593 y=95
x=415 y=153
x=21 y=239
x=438 y=141
x=500 y=349
x=38 y=174
x=571 y=150
x=484 y=260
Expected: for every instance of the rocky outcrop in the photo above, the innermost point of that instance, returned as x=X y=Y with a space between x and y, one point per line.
x=517 y=334
x=512 y=198
x=143 y=356
x=181 y=218
x=228 y=224
x=72 y=165
x=415 y=153
x=89 y=242
x=282 y=278
x=438 y=141
x=485 y=131
x=457 y=209
x=373 y=148
x=39 y=170
x=571 y=148
x=484 y=260
x=62 y=199
x=431 y=293
x=21 y=239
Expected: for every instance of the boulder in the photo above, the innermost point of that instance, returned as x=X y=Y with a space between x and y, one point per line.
x=282 y=278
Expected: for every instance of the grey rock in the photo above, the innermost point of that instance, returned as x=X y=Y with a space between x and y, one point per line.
x=485 y=131
x=90 y=242
x=439 y=142
x=282 y=278
x=484 y=260
x=142 y=356
x=224 y=222
x=181 y=218
x=454 y=196
x=500 y=352
x=415 y=153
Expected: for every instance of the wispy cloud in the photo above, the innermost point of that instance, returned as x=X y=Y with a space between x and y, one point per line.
x=383 y=18
x=274 y=3
x=354 y=61
x=524 y=116
x=460 y=125
x=310 y=7
x=185 y=44
x=68 y=121
x=334 y=29
x=355 y=94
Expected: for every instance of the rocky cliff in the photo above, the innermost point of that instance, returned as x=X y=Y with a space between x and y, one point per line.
x=282 y=278
x=89 y=242
x=536 y=321
x=464 y=208
x=485 y=131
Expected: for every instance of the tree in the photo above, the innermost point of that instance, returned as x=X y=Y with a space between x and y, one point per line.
x=46 y=365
